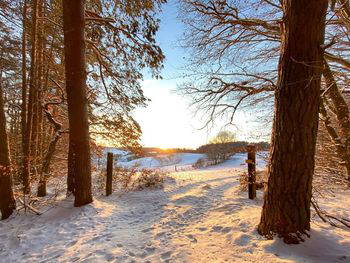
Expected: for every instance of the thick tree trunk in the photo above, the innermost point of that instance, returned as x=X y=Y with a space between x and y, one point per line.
x=7 y=201
x=74 y=50
x=32 y=93
x=286 y=210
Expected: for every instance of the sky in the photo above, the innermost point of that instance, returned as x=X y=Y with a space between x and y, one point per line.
x=168 y=121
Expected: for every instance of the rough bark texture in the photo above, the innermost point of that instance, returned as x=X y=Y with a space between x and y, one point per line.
x=7 y=201
x=70 y=175
x=251 y=171
x=24 y=76
x=74 y=49
x=37 y=97
x=32 y=92
x=109 y=177
x=286 y=210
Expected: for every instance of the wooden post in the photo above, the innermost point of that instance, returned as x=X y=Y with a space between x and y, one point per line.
x=109 y=174
x=251 y=171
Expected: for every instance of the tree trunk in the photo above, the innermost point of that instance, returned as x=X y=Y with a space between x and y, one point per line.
x=343 y=117
x=46 y=165
x=32 y=93
x=7 y=200
x=50 y=152
x=341 y=150
x=70 y=175
x=47 y=157
x=74 y=50
x=286 y=210
x=24 y=76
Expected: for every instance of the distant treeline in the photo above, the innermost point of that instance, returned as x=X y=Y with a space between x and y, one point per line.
x=150 y=151
x=227 y=148
x=233 y=147
x=219 y=152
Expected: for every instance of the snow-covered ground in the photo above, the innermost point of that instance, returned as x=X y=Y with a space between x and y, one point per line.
x=184 y=161
x=199 y=216
x=170 y=162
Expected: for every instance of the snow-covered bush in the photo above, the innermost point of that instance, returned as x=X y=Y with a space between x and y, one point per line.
x=261 y=180
x=131 y=179
x=200 y=163
x=148 y=179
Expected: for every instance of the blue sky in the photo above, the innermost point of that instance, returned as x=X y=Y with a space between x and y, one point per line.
x=168 y=121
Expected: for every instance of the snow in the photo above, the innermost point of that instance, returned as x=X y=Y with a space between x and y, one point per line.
x=201 y=216
x=172 y=162
x=184 y=161
x=238 y=161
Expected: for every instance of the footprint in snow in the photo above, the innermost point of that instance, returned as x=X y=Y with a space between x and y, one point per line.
x=147 y=229
x=160 y=235
x=94 y=239
x=216 y=229
x=72 y=243
x=150 y=250
x=147 y=252
x=192 y=238
x=226 y=230
x=131 y=254
x=206 y=187
x=165 y=255
x=242 y=239
x=220 y=229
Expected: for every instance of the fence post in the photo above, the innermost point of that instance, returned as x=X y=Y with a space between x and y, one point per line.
x=251 y=171
x=109 y=174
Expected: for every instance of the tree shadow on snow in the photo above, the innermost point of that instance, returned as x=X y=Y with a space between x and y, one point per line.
x=322 y=246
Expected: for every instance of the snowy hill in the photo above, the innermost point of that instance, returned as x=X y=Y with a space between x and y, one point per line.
x=165 y=161
x=184 y=161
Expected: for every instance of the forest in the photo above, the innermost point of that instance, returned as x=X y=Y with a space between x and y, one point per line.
x=71 y=78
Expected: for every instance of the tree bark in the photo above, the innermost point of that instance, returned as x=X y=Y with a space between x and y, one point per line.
x=341 y=110
x=7 y=200
x=339 y=146
x=46 y=164
x=70 y=175
x=28 y=135
x=37 y=107
x=75 y=72
x=24 y=76
x=286 y=210
x=51 y=150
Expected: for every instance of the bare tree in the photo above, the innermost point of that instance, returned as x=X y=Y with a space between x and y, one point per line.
x=234 y=54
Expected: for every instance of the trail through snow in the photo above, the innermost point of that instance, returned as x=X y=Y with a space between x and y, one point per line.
x=199 y=216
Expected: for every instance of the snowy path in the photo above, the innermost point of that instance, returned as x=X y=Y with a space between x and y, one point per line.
x=202 y=216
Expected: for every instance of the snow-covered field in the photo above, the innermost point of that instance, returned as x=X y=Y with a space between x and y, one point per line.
x=199 y=216
x=170 y=162
x=184 y=161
